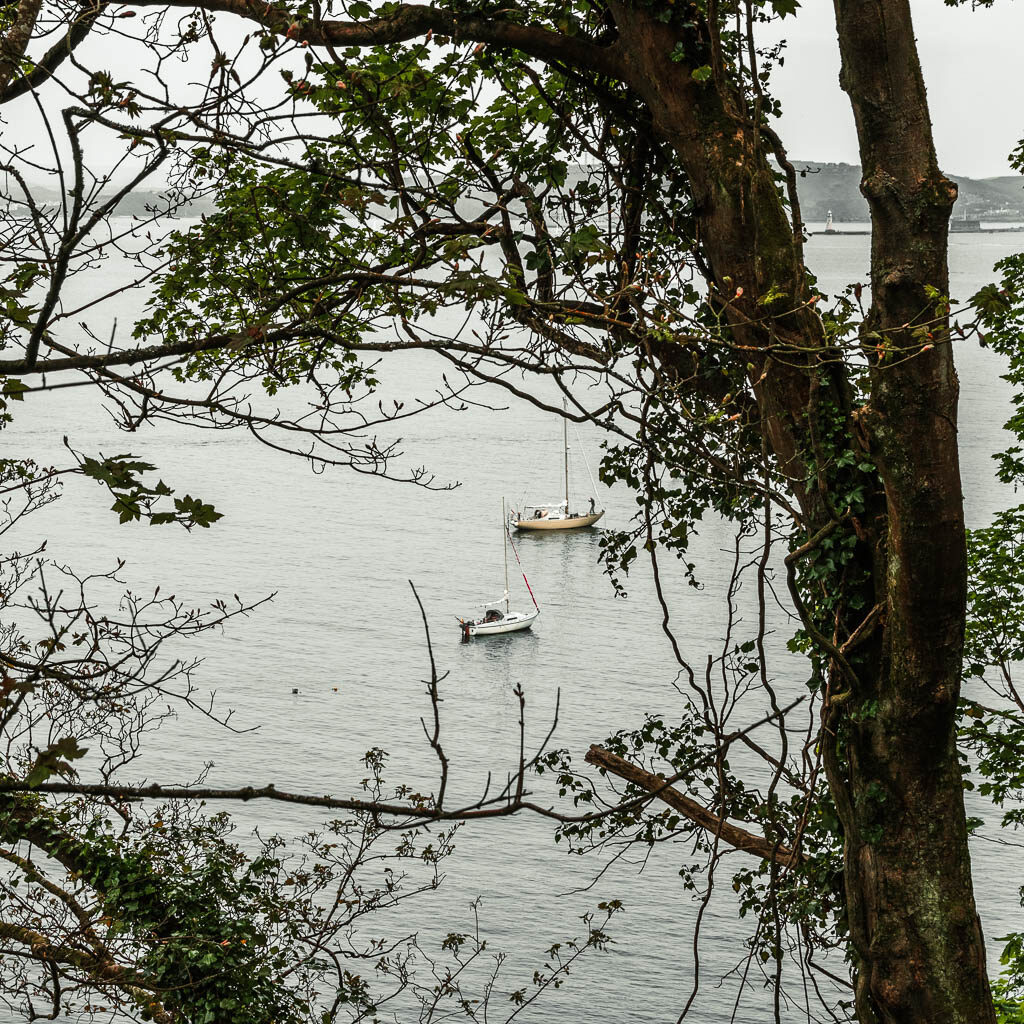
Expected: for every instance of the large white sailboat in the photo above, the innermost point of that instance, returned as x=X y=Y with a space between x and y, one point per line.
x=494 y=620
x=558 y=515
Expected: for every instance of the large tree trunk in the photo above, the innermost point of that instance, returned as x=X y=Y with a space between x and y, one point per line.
x=894 y=771
x=908 y=872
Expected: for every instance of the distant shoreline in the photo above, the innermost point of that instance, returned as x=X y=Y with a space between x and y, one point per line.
x=996 y=230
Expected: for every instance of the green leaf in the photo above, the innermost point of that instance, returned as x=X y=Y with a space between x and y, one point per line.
x=15 y=389
x=54 y=760
x=784 y=8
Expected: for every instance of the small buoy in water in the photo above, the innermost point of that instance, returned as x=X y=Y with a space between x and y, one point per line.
x=295 y=689
x=334 y=688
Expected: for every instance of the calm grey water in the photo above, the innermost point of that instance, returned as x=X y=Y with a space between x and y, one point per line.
x=339 y=548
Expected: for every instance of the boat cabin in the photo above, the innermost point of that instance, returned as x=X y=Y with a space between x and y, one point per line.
x=551 y=511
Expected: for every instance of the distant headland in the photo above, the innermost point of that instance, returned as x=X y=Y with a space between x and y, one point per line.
x=823 y=187
x=836 y=187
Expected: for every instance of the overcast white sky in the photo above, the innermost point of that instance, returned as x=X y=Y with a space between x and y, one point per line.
x=972 y=65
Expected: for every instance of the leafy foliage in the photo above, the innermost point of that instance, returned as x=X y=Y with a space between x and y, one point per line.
x=545 y=203
x=134 y=499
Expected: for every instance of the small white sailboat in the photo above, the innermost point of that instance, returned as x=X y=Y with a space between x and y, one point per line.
x=494 y=620
x=558 y=515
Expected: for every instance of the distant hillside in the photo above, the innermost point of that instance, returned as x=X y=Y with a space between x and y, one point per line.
x=836 y=187
x=822 y=187
x=142 y=202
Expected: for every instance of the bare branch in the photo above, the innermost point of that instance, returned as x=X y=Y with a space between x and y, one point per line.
x=735 y=836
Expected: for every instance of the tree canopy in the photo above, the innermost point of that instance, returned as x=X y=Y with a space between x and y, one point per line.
x=599 y=189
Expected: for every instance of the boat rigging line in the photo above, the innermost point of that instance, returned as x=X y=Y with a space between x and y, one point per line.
x=521 y=569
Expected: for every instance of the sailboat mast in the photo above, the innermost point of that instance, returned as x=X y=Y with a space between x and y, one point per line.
x=504 y=548
x=565 y=445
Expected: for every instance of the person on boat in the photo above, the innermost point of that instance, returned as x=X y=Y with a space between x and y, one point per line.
x=593 y=506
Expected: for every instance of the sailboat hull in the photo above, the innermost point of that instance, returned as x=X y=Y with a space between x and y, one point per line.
x=570 y=523
x=512 y=623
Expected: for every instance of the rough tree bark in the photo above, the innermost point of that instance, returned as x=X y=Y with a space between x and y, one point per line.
x=909 y=890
